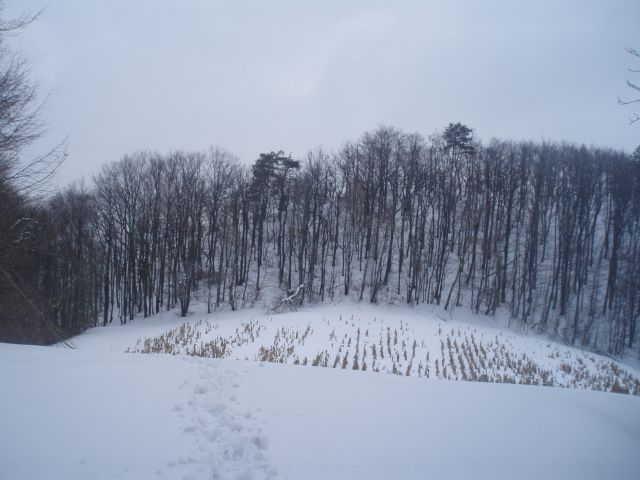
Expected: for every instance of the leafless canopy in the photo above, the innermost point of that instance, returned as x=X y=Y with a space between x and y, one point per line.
x=634 y=86
x=21 y=117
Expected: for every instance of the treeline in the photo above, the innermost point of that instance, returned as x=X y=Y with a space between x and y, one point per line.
x=549 y=233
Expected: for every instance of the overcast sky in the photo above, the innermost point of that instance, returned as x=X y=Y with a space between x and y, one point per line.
x=126 y=75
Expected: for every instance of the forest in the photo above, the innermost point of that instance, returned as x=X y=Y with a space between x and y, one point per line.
x=546 y=233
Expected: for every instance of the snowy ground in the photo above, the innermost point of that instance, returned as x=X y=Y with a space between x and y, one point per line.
x=98 y=412
x=394 y=340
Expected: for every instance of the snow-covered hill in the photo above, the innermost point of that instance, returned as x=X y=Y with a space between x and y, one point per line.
x=97 y=411
x=395 y=340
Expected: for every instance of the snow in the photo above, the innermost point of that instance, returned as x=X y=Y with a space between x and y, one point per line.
x=98 y=412
x=68 y=414
x=406 y=341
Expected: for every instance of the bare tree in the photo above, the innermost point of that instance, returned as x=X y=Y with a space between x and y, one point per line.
x=634 y=86
x=21 y=117
x=25 y=313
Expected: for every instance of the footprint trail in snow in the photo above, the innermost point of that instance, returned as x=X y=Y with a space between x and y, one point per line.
x=230 y=444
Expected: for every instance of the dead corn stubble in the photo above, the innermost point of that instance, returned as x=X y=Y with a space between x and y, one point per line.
x=464 y=355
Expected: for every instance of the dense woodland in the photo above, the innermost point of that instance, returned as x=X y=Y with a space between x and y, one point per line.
x=549 y=233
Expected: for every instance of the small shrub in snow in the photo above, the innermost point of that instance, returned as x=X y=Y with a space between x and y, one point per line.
x=316 y=360
x=617 y=388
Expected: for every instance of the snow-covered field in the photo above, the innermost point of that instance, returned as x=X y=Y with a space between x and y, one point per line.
x=99 y=412
x=396 y=340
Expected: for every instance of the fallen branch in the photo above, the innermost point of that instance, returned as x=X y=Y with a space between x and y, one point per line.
x=287 y=300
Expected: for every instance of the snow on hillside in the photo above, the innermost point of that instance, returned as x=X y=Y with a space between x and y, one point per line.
x=98 y=412
x=395 y=340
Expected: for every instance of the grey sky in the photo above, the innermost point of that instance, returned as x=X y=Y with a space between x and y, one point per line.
x=294 y=75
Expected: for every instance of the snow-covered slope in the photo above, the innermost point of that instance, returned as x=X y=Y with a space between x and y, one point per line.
x=396 y=340
x=98 y=412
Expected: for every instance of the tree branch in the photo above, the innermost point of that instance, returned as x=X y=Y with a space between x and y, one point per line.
x=287 y=300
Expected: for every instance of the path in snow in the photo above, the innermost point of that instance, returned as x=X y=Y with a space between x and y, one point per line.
x=229 y=444
x=77 y=414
